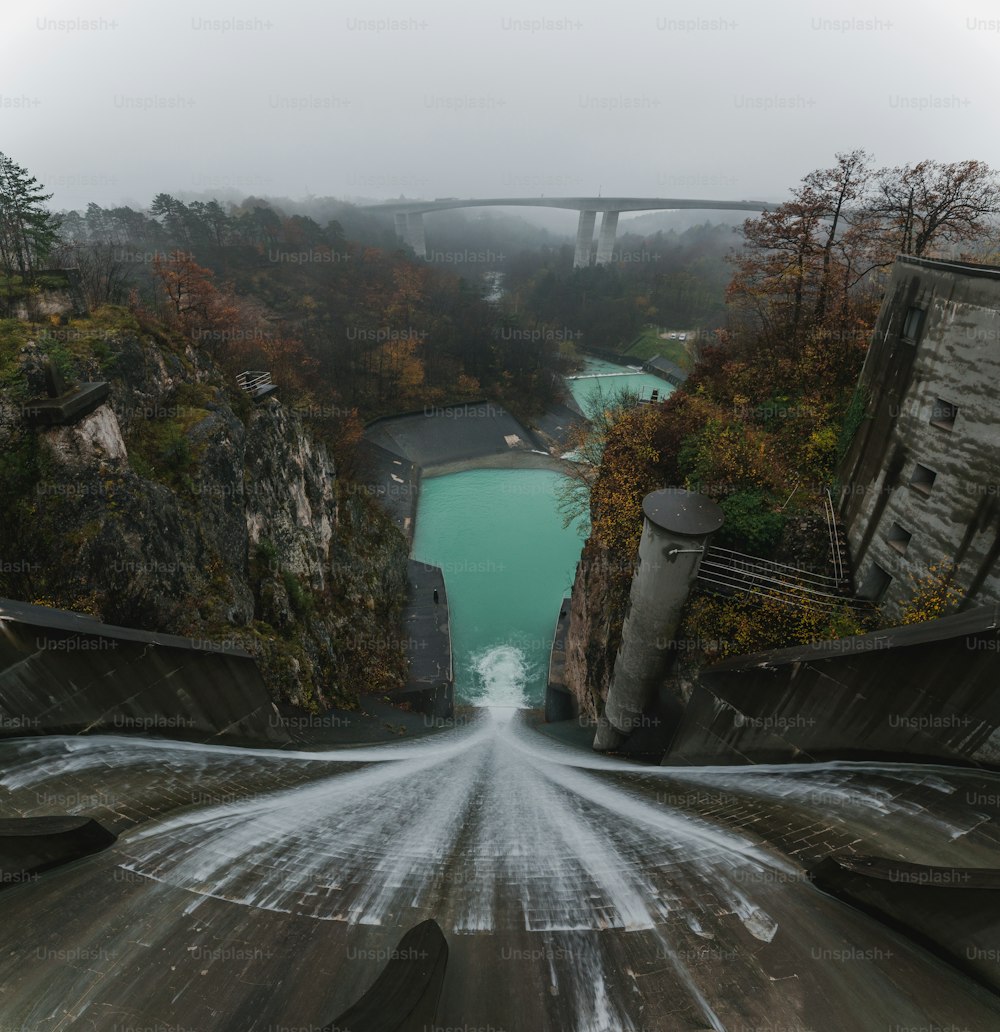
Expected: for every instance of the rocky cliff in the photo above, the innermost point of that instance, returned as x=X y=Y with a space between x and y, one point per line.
x=596 y=616
x=181 y=506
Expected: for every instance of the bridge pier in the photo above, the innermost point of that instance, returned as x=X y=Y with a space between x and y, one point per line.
x=606 y=240
x=400 y=222
x=584 y=238
x=410 y=229
x=415 y=233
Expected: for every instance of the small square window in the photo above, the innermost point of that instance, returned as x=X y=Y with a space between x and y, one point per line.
x=913 y=324
x=876 y=584
x=898 y=538
x=943 y=414
x=923 y=479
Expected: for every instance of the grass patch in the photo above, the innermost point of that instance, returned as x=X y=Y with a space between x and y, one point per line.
x=74 y=344
x=15 y=286
x=649 y=344
x=14 y=334
x=299 y=597
x=161 y=449
x=853 y=418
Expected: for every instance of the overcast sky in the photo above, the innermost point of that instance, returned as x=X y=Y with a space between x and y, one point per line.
x=437 y=98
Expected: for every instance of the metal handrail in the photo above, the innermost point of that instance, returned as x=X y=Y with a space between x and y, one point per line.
x=749 y=575
x=777 y=596
x=757 y=561
x=251 y=380
x=831 y=522
x=798 y=591
x=786 y=600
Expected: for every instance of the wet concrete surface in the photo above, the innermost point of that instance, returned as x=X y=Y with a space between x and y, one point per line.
x=438 y=436
x=431 y=685
x=559 y=423
x=264 y=890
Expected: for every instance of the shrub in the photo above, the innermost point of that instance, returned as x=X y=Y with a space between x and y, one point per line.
x=741 y=624
x=751 y=524
x=933 y=596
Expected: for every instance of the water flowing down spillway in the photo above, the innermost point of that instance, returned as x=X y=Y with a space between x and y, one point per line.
x=576 y=891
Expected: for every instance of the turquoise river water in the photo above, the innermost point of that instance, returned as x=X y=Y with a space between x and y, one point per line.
x=508 y=563
x=608 y=378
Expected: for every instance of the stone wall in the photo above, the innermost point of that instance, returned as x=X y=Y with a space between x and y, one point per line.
x=912 y=469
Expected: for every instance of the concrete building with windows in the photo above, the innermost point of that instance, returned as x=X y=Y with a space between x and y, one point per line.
x=920 y=481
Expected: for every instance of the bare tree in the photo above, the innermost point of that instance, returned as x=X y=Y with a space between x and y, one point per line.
x=931 y=203
x=104 y=277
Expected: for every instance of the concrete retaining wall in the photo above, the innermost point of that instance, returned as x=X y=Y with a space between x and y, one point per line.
x=66 y=673
x=950 y=910
x=29 y=845
x=925 y=691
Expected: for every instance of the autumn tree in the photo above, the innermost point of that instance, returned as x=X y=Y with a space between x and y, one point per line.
x=815 y=261
x=801 y=262
x=585 y=443
x=192 y=300
x=834 y=192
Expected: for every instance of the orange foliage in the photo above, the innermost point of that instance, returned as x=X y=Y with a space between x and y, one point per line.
x=193 y=302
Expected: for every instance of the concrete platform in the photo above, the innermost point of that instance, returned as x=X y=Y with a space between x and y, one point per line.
x=925 y=691
x=430 y=687
x=450 y=434
x=64 y=672
x=405 y=996
x=953 y=911
x=68 y=408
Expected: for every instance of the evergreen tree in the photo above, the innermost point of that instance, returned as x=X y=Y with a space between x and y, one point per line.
x=27 y=228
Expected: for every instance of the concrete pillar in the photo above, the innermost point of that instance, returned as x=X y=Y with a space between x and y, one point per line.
x=677 y=525
x=606 y=240
x=584 y=238
x=415 y=233
x=400 y=220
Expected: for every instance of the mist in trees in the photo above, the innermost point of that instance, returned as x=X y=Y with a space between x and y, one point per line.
x=323 y=291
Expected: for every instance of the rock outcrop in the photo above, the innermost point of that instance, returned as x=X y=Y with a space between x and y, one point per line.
x=597 y=612
x=180 y=506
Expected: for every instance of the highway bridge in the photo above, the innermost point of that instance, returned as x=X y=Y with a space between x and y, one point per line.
x=409 y=215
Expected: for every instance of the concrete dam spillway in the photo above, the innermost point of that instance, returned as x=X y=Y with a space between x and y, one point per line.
x=266 y=890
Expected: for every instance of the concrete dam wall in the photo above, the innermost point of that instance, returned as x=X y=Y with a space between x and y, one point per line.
x=924 y=691
x=63 y=672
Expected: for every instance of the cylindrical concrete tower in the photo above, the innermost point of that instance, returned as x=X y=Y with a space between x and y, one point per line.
x=675 y=533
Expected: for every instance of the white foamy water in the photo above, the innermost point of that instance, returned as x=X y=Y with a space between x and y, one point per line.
x=500 y=676
x=485 y=834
